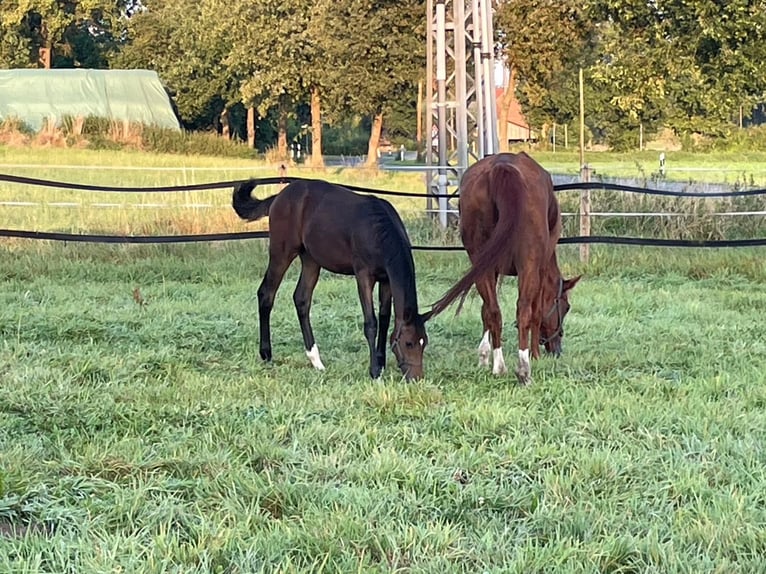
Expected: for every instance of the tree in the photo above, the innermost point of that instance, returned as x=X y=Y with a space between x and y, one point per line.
x=543 y=44
x=185 y=42
x=75 y=33
x=275 y=50
x=694 y=61
x=382 y=47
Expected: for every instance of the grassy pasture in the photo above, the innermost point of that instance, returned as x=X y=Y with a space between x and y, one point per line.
x=151 y=438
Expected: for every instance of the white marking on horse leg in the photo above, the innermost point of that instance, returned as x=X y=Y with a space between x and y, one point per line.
x=523 y=371
x=484 y=349
x=313 y=356
x=498 y=362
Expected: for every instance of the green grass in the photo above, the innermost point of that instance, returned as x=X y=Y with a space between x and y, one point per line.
x=151 y=438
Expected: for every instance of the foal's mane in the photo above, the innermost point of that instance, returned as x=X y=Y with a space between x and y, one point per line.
x=391 y=235
x=391 y=232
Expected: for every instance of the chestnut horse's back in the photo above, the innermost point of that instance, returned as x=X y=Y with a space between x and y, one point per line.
x=514 y=192
x=509 y=218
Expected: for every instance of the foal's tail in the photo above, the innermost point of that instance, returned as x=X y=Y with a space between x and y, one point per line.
x=248 y=207
x=493 y=253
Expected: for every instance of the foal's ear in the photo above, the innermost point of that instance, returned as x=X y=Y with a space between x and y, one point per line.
x=570 y=283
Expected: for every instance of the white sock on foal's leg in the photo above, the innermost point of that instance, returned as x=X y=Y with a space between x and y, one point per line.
x=484 y=349
x=313 y=356
x=498 y=362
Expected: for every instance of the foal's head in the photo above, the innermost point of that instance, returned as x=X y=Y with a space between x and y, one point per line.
x=408 y=341
x=555 y=309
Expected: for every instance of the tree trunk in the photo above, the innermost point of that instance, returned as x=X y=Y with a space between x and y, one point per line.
x=224 y=119
x=282 y=152
x=251 y=127
x=372 y=148
x=316 y=129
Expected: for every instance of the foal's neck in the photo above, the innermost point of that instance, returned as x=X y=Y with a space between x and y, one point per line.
x=405 y=296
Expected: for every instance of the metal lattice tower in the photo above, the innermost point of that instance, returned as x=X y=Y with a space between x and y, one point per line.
x=461 y=118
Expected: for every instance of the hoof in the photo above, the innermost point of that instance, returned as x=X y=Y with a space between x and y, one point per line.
x=524 y=381
x=500 y=370
x=266 y=354
x=316 y=361
x=524 y=370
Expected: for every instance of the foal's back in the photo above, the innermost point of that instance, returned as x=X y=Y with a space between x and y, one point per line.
x=334 y=225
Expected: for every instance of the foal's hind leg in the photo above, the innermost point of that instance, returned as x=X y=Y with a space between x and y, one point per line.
x=278 y=264
x=384 y=320
x=492 y=320
x=302 y=299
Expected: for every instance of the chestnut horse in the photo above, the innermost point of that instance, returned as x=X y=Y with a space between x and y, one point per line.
x=331 y=227
x=510 y=223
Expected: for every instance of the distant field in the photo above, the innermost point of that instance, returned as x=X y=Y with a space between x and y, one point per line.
x=209 y=211
x=140 y=432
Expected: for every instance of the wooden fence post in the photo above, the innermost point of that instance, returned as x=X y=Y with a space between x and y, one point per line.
x=251 y=127
x=584 y=177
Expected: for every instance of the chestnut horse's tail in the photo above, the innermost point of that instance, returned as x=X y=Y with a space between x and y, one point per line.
x=248 y=207
x=494 y=252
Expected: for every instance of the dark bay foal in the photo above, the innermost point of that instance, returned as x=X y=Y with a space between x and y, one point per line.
x=330 y=227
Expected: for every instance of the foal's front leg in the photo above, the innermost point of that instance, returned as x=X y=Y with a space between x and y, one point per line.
x=384 y=320
x=365 y=285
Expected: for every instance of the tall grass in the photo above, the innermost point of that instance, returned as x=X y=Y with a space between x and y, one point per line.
x=209 y=211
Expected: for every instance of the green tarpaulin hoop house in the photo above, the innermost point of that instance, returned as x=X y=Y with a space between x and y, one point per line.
x=34 y=96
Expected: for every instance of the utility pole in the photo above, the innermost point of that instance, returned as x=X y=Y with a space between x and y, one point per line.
x=460 y=67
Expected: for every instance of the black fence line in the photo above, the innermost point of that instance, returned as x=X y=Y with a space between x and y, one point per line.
x=236 y=236
x=649 y=191
x=278 y=180
x=155 y=239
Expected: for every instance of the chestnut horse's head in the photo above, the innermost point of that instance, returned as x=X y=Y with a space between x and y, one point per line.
x=556 y=307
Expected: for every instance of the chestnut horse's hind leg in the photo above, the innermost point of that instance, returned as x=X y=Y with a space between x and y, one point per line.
x=484 y=349
x=492 y=320
x=304 y=290
x=278 y=264
x=384 y=320
x=527 y=313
